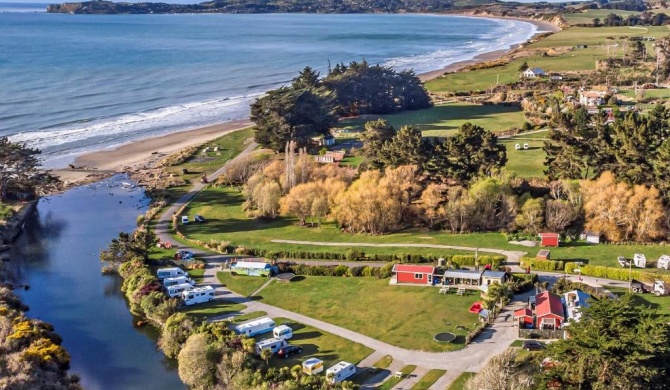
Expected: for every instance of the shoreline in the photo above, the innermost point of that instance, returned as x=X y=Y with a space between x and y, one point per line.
x=142 y=154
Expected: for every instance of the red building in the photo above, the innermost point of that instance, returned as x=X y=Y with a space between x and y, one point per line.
x=524 y=318
x=416 y=274
x=549 y=239
x=549 y=312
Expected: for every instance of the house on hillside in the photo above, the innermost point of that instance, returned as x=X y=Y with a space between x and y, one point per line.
x=330 y=157
x=413 y=274
x=549 y=312
x=324 y=140
x=574 y=301
x=533 y=73
x=549 y=239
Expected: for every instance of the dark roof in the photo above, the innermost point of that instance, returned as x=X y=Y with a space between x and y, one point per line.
x=494 y=274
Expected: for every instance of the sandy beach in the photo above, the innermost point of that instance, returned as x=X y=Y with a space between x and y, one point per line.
x=144 y=153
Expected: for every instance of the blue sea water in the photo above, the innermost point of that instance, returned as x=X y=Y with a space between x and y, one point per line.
x=75 y=83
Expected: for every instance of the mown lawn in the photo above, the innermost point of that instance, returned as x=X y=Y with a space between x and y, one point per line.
x=393 y=381
x=444 y=119
x=526 y=163
x=459 y=383
x=604 y=254
x=196 y=274
x=661 y=304
x=406 y=316
x=215 y=308
x=241 y=284
x=431 y=377
x=318 y=344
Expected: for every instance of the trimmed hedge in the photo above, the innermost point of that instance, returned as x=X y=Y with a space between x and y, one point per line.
x=543 y=265
x=383 y=272
x=599 y=271
x=462 y=260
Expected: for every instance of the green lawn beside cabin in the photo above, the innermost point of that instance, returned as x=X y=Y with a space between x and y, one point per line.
x=241 y=284
x=362 y=305
x=215 y=308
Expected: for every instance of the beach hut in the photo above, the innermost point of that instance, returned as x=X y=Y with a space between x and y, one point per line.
x=549 y=239
x=413 y=274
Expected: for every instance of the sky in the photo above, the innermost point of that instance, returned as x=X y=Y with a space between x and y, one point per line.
x=192 y=1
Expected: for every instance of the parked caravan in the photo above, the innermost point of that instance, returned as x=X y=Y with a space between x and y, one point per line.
x=251 y=268
x=177 y=289
x=340 y=372
x=167 y=282
x=198 y=295
x=282 y=332
x=252 y=328
x=640 y=260
x=663 y=262
x=312 y=366
x=170 y=273
x=272 y=344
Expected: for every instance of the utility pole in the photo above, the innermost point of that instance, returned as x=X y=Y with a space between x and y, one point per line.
x=630 y=276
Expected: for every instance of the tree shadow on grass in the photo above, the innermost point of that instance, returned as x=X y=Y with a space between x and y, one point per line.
x=307 y=335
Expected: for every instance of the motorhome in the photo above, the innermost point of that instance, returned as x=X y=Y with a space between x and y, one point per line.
x=177 y=289
x=282 y=332
x=167 y=282
x=252 y=328
x=663 y=262
x=640 y=260
x=272 y=344
x=198 y=295
x=340 y=372
x=312 y=366
x=170 y=272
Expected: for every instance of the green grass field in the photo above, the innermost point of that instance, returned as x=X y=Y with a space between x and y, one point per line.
x=214 y=308
x=241 y=284
x=661 y=304
x=526 y=163
x=431 y=377
x=418 y=312
x=319 y=344
x=393 y=381
x=196 y=274
x=459 y=383
x=444 y=119
x=589 y=15
x=384 y=362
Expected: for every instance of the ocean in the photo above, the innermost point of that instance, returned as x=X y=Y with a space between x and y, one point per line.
x=71 y=84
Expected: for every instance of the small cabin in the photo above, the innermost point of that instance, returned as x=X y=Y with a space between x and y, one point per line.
x=493 y=277
x=543 y=254
x=414 y=274
x=549 y=239
x=462 y=276
x=523 y=318
x=591 y=237
x=324 y=140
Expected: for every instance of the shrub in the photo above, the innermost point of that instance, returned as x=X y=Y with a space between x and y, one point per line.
x=462 y=260
x=543 y=265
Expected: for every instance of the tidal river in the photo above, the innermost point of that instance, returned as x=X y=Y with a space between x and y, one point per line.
x=57 y=256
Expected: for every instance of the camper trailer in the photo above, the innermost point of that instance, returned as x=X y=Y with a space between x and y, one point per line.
x=177 y=289
x=639 y=260
x=282 y=332
x=312 y=366
x=340 y=372
x=252 y=328
x=272 y=344
x=167 y=282
x=663 y=262
x=198 y=295
x=170 y=272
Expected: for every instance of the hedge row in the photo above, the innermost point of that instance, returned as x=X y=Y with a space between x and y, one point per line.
x=599 y=271
x=543 y=265
x=336 y=270
x=461 y=260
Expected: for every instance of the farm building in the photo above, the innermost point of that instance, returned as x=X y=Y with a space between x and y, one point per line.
x=549 y=239
x=251 y=268
x=548 y=311
x=462 y=276
x=324 y=140
x=523 y=318
x=414 y=274
x=574 y=301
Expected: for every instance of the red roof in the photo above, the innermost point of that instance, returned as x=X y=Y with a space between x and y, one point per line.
x=415 y=269
x=548 y=303
x=549 y=235
x=525 y=312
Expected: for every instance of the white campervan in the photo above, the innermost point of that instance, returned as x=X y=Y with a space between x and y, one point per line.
x=663 y=262
x=177 y=289
x=312 y=366
x=640 y=260
x=198 y=295
x=170 y=272
x=252 y=328
x=340 y=372
x=272 y=344
x=167 y=282
x=282 y=332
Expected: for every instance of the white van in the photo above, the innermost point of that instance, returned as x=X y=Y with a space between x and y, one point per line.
x=282 y=332
x=312 y=366
x=170 y=272
x=167 y=282
x=184 y=219
x=272 y=344
x=640 y=260
x=177 y=289
x=663 y=262
x=252 y=328
x=340 y=372
x=198 y=295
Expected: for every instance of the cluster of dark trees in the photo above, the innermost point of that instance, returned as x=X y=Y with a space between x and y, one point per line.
x=20 y=171
x=643 y=19
x=471 y=152
x=310 y=105
x=636 y=148
x=626 y=5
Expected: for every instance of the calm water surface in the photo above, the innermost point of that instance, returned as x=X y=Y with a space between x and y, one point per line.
x=58 y=257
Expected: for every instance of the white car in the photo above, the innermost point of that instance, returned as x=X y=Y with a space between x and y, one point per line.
x=184 y=220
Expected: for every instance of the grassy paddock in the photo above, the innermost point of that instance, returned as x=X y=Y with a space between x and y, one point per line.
x=241 y=284
x=326 y=298
x=431 y=377
x=526 y=163
x=588 y=16
x=319 y=344
x=444 y=119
